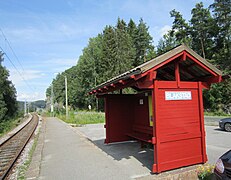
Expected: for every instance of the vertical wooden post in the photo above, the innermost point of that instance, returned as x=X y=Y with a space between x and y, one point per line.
x=155 y=140
x=106 y=126
x=177 y=73
x=201 y=107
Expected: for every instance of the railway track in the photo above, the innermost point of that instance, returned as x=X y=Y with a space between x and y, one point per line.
x=11 y=148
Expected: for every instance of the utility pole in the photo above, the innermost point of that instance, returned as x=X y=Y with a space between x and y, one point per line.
x=25 y=108
x=52 y=100
x=66 y=97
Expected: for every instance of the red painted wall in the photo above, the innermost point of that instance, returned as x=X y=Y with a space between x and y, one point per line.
x=141 y=114
x=119 y=115
x=122 y=112
x=179 y=132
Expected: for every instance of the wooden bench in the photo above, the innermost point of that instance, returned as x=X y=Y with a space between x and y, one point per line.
x=142 y=133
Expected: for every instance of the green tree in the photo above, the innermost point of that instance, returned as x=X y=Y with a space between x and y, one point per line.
x=143 y=44
x=109 y=49
x=209 y=36
x=125 y=52
x=222 y=14
x=3 y=109
x=132 y=30
x=180 y=28
x=202 y=31
x=8 y=103
x=166 y=43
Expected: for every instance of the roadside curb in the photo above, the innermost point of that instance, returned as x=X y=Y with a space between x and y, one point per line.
x=178 y=174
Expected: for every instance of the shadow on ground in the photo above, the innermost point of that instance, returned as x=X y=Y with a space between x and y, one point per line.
x=219 y=129
x=127 y=150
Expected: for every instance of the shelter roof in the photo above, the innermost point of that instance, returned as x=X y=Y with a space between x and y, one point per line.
x=192 y=68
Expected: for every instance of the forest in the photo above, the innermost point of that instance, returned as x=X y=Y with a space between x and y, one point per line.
x=128 y=44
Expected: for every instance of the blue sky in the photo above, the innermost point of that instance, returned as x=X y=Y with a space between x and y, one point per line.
x=48 y=36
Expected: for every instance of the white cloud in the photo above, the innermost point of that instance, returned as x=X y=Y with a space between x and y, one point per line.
x=61 y=62
x=164 y=30
x=18 y=79
x=30 y=97
x=52 y=32
x=56 y=65
x=158 y=32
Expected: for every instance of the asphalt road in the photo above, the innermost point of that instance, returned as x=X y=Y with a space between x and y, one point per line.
x=212 y=120
x=217 y=143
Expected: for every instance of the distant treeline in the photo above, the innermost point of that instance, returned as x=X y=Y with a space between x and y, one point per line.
x=33 y=106
x=126 y=45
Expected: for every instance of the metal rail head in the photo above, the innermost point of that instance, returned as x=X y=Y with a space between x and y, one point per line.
x=11 y=149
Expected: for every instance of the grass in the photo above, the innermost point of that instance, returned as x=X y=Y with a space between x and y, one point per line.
x=23 y=168
x=9 y=125
x=83 y=117
x=216 y=113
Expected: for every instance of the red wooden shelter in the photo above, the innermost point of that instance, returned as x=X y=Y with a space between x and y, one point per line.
x=167 y=111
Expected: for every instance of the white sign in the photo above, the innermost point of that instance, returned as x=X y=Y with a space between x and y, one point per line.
x=178 y=95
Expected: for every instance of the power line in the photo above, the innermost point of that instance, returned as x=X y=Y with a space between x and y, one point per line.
x=16 y=69
x=7 y=41
x=23 y=70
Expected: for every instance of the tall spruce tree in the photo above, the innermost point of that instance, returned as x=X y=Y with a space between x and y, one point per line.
x=143 y=44
x=125 y=52
x=109 y=50
x=132 y=29
x=202 y=31
x=180 y=28
x=222 y=14
x=166 y=43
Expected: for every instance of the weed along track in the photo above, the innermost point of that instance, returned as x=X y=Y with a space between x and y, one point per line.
x=14 y=145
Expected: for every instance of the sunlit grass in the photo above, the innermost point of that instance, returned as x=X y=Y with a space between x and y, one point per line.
x=222 y=114
x=83 y=117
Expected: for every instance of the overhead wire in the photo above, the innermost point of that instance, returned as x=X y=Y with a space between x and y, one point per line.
x=7 y=41
x=15 y=67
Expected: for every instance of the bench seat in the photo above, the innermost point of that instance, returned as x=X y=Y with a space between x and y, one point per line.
x=142 y=133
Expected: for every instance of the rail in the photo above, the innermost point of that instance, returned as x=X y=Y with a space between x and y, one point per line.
x=12 y=147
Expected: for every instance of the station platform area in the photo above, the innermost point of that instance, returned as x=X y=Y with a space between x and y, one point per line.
x=80 y=153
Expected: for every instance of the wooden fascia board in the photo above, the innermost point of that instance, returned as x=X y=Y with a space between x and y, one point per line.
x=163 y=62
x=215 y=79
x=147 y=81
x=117 y=86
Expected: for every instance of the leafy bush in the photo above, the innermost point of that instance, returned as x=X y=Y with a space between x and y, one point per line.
x=10 y=124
